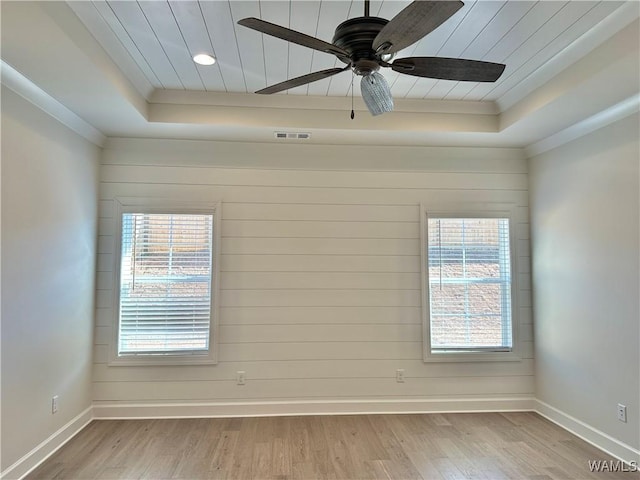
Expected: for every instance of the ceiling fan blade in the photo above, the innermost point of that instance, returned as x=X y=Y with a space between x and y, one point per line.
x=291 y=36
x=303 y=80
x=414 y=22
x=449 y=68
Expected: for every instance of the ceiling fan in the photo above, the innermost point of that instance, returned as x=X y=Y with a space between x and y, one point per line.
x=367 y=43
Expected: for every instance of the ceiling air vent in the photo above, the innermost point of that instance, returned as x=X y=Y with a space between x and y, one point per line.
x=292 y=135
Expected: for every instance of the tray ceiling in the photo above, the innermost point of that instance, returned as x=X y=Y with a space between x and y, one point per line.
x=159 y=38
x=124 y=69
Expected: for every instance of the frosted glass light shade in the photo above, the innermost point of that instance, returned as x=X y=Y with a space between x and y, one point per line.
x=376 y=93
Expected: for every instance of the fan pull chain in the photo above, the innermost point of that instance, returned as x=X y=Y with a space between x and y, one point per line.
x=353 y=115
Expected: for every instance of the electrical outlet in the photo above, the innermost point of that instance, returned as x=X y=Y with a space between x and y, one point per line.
x=240 y=379
x=400 y=375
x=54 y=404
x=622 y=413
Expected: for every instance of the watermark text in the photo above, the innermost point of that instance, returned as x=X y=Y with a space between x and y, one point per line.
x=599 y=466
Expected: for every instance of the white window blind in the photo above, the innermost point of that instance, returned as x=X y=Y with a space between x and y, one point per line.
x=165 y=284
x=469 y=271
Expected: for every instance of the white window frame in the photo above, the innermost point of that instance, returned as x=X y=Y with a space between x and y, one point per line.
x=492 y=210
x=166 y=206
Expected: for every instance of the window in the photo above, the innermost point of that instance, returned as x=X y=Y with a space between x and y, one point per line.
x=167 y=286
x=468 y=286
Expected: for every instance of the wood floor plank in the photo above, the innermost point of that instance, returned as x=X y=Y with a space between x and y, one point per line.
x=474 y=446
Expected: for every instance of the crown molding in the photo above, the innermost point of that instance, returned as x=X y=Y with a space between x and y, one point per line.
x=601 y=119
x=28 y=90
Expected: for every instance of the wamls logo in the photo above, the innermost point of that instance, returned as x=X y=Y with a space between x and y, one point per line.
x=612 y=466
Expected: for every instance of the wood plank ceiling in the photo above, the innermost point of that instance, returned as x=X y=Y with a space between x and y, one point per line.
x=161 y=37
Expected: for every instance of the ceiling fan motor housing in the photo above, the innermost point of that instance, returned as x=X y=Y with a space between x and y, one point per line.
x=356 y=36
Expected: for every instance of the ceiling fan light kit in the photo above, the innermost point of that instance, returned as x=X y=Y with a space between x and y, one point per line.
x=365 y=44
x=376 y=93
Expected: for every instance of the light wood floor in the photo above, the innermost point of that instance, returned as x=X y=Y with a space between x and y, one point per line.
x=490 y=446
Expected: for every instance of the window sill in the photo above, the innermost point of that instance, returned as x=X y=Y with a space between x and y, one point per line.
x=161 y=360
x=471 y=357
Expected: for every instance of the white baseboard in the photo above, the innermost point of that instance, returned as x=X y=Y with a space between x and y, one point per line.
x=584 y=431
x=48 y=447
x=329 y=407
x=589 y=434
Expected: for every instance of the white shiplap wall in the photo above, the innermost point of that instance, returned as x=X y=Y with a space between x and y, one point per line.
x=320 y=271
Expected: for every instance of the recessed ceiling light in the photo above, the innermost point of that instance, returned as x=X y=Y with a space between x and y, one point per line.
x=204 y=59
